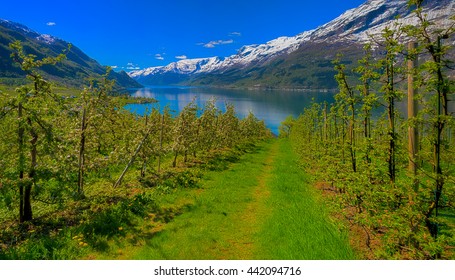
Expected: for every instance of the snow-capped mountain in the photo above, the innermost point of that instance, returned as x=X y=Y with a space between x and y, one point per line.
x=355 y=26
x=17 y=26
x=48 y=39
x=184 y=66
x=373 y=16
x=245 y=56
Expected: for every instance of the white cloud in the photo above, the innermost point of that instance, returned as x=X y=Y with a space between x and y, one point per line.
x=132 y=66
x=209 y=45
x=159 y=56
x=213 y=44
x=114 y=67
x=235 y=34
x=181 y=57
x=51 y=23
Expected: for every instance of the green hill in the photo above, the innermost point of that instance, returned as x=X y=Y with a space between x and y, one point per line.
x=310 y=67
x=73 y=72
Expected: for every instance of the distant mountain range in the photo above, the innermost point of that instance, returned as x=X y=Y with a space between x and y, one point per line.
x=73 y=71
x=302 y=61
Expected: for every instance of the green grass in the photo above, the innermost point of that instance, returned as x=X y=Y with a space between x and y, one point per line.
x=299 y=226
x=215 y=226
x=261 y=208
x=253 y=205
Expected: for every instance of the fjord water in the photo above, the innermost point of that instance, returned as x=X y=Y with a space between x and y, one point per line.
x=272 y=106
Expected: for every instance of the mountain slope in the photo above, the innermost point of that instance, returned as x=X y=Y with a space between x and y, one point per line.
x=73 y=71
x=302 y=61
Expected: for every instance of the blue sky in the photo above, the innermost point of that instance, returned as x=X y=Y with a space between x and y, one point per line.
x=139 y=33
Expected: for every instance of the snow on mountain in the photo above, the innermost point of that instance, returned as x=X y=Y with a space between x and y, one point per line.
x=262 y=53
x=184 y=66
x=145 y=72
x=46 y=38
x=371 y=18
x=354 y=25
x=17 y=26
x=245 y=56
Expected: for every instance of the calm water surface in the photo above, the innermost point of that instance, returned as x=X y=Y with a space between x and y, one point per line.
x=271 y=106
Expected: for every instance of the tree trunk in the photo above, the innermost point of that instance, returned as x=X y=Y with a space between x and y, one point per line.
x=391 y=116
x=326 y=128
x=80 y=185
x=367 y=123
x=161 y=143
x=174 y=163
x=144 y=156
x=343 y=137
x=325 y=121
x=335 y=123
x=442 y=111
x=143 y=168
x=391 y=158
x=412 y=114
x=28 y=215
x=352 y=142
x=21 y=163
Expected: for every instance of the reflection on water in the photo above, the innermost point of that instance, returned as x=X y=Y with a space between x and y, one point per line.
x=271 y=106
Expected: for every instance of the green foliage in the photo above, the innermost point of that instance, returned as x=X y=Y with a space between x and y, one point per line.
x=94 y=230
x=173 y=179
x=380 y=197
x=286 y=126
x=59 y=153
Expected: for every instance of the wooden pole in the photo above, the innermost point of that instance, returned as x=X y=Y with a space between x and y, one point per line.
x=119 y=181
x=412 y=112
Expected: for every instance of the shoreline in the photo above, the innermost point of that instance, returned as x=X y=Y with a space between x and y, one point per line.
x=250 y=88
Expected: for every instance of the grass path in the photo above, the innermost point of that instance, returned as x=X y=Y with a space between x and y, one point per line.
x=260 y=208
x=299 y=226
